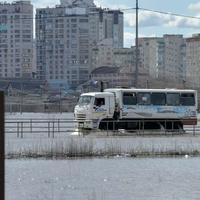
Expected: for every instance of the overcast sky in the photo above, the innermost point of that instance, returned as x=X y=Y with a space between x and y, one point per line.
x=150 y=24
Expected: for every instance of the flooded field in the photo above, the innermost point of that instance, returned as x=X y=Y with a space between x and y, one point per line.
x=112 y=173
x=69 y=144
x=116 y=178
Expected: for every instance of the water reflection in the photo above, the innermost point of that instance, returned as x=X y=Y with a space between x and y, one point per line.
x=104 y=179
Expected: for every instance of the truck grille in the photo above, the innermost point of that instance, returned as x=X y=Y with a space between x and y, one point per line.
x=81 y=116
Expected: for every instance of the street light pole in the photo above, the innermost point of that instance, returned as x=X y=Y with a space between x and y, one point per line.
x=136 y=45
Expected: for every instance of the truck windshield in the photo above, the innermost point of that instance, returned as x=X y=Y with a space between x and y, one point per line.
x=84 y=100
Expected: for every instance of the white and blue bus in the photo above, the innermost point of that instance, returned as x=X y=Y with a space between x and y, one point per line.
x=156 y=108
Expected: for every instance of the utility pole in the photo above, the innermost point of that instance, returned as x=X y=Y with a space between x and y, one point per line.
x=136 y=45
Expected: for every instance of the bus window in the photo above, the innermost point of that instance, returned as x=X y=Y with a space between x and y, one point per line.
x=144 y=98
x=158 y=99
x=187 y=99
x=173 y=99
x=129 y=98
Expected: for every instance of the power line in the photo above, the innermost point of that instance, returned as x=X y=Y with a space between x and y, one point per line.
x=170 y=13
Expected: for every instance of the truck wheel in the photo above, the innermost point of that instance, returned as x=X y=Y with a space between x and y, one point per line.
x=103 y=125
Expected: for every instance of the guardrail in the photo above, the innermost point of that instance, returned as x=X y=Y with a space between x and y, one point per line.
x=48 y=127
x=52 y=128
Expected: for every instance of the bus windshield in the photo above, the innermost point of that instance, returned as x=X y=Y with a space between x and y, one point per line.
x=85 y=100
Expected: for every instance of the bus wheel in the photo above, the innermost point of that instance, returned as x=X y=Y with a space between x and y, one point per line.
x=103 y=125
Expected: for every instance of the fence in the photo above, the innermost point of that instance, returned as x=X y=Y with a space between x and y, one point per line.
x=40 y=107
x=43 y=127
x=52 y=128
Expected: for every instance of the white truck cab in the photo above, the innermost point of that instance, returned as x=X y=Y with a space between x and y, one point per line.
x=92 y=108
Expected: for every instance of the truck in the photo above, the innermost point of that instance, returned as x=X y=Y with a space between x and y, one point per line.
x=129 y=109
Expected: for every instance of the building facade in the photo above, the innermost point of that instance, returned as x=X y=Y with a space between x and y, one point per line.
x=105 y=24
x=193 y=60
x=62 y=42
x=164 y=58
x=102 y=54
x=16 y=39
x=64 y=38
x=175 y=57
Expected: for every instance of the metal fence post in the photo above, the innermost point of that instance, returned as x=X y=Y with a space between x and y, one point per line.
x=193 y=130
x=21 y=129
x=31 y=125
x=107 y=127
x=53 y=130
x=143 y=127
x=58 y=125
x=2 y=147
x=139 y=123
x=17 y=129
x=48 y=129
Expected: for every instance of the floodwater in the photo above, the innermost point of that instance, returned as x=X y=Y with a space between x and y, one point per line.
x=114 y=178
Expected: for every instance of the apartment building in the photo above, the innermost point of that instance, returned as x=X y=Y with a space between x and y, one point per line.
x=193 y=60
x=124 y=57
x=102 y=54
x=64 y=38
x=164 y=57
x=175 y=57
x=151 y=51
x=116 y=65
x=105 y=24
x=16 y=39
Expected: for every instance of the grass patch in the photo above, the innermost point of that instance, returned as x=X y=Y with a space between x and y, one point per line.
x=83 y=147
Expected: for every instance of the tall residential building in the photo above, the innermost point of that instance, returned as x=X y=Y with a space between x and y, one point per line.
x=193 y=60
x=105 y=24
x=16 y=39
x=64 y=38
x=78 y=3
x=175 y=57
x=152 y=56
x=164 y=57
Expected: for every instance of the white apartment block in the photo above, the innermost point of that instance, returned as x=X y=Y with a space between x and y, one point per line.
x=16 y=39
x=164 y=57
x=193 y=60
x=64 y=38
x=105 y=24
x=62 y=41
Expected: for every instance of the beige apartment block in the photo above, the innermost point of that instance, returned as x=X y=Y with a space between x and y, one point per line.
x=102 y=54
x=175 y=58
x=193 y=61
x=16 y=39
x=123 y=59
x=118 y=77
x=164 y=58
